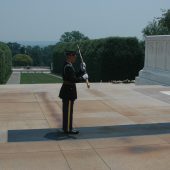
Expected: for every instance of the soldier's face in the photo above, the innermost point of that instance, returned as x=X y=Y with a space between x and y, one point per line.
x=73 y=58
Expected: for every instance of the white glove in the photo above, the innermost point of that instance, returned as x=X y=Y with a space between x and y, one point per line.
x=85 y=76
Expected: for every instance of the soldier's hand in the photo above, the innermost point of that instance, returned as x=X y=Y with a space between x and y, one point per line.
x=85 y=76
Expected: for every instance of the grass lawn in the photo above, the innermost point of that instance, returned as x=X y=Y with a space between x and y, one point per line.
x=38 y=78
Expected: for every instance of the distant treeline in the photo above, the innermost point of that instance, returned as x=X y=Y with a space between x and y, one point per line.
x=107 y=59
x=5 y=62
x=40 y=56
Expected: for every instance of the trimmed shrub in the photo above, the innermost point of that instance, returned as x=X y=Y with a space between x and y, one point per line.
x=22 y=60
x=5 y=63
x=107 y=59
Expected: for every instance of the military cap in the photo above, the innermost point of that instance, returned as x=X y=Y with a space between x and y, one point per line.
x=67 y=53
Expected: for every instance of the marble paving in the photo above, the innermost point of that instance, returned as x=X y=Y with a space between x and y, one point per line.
x=123 y=127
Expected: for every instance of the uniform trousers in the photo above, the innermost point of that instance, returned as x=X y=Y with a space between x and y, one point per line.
x=68 y=115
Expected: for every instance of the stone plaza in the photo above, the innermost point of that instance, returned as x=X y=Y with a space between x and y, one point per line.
x=122 y=127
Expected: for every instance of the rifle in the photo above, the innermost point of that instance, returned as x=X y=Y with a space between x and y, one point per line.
x=87 y=81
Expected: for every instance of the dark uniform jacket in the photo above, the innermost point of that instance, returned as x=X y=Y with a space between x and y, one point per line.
x=68 y=90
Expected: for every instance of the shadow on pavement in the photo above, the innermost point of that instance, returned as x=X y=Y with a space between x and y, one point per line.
x=89 y=132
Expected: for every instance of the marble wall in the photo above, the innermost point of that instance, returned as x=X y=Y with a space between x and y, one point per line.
x=157 y=61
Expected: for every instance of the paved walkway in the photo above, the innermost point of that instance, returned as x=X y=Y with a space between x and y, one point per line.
x=123 y=127
x=15 y=78
x=32 y=70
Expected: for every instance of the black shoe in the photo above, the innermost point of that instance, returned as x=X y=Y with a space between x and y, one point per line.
x=66 y=132
x=74 y=131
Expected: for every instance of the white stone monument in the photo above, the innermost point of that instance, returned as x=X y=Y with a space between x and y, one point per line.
x=156 y=70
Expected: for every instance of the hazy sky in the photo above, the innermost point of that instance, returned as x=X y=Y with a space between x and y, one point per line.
x=46 y=20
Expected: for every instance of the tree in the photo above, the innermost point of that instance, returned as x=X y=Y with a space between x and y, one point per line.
x=47 y=54
x=15 y=48
x=155 y=28
x=5 y=62
x=40 y=56
x=159 y=26
x=73 y=36
x=22 y=60
x=36 y=54
x=23 y=50
x=165 y=19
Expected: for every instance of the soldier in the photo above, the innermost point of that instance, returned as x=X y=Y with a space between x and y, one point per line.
x=68 y=91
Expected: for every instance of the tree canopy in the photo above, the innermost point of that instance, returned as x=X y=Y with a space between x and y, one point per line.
x=159 y=26
x=165 y=19
x=73 y=36
x=41 y=56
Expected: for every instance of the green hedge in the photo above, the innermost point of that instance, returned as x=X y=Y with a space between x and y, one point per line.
x=5 y=62
x=107 y=59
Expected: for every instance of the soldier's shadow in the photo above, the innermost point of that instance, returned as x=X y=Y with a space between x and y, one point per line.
x=27 y=135
x=58 y=136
